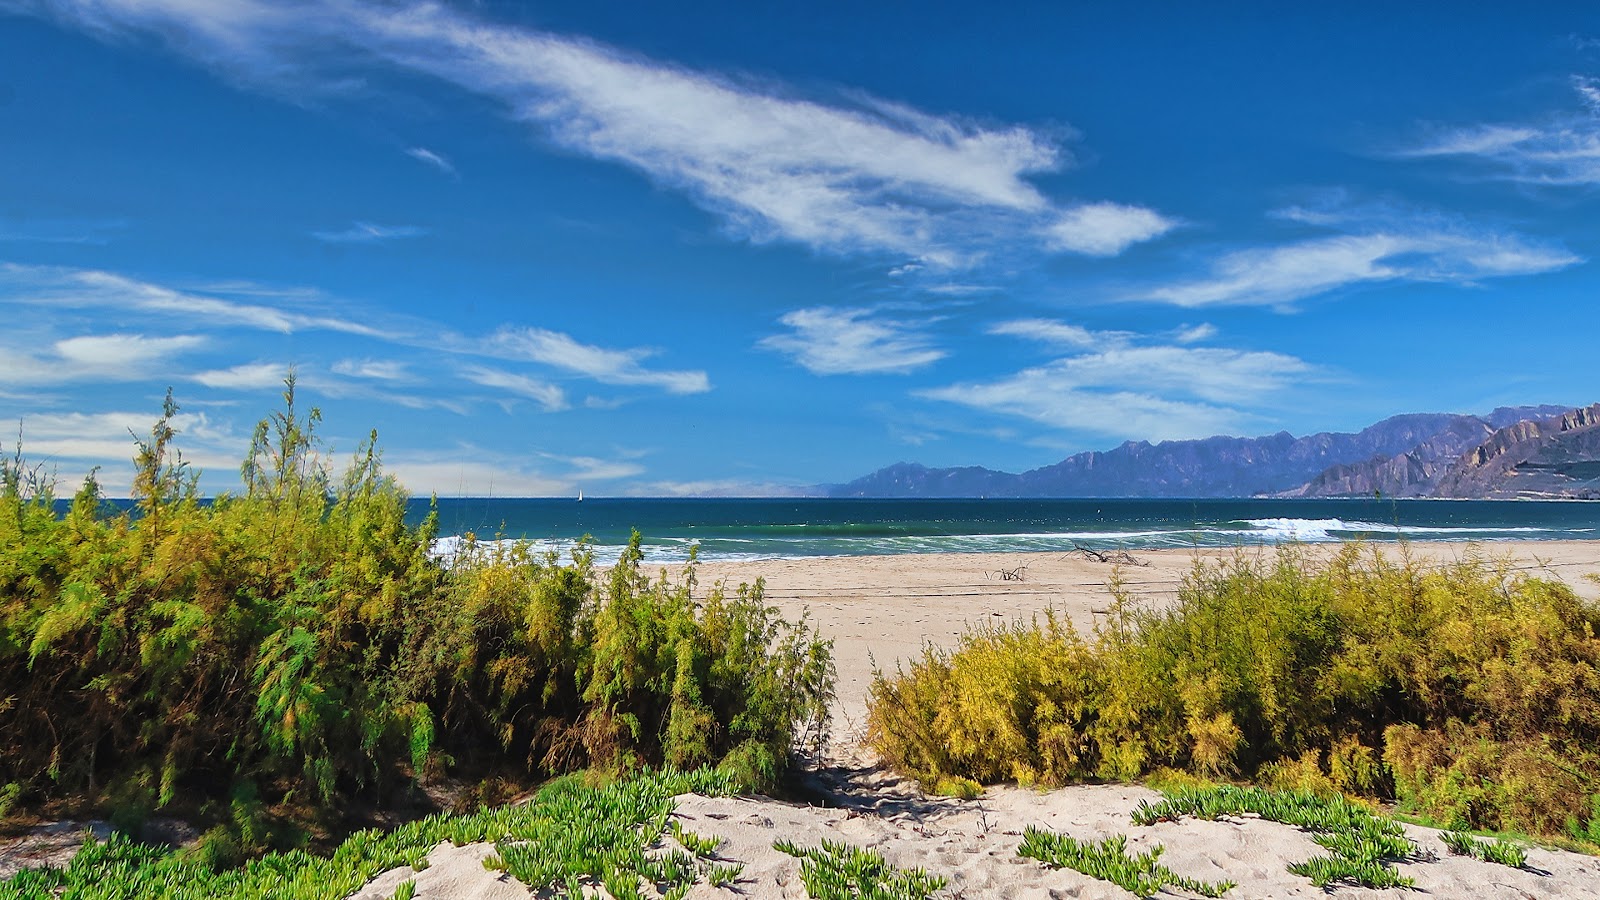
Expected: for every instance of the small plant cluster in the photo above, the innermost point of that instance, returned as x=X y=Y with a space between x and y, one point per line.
x=635 y=808
x=838 y=871
x=263 y=659
x=1468 y=691
x=1499 y=850
x=1361 y=846
x=611 y=837
x=1108 y=860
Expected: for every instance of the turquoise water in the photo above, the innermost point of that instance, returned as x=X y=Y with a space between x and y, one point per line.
x=780 y=528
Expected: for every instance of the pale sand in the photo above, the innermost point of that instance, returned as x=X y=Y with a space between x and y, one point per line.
x=885 y=609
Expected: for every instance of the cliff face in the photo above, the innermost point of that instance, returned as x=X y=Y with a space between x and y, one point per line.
x=1413 y=473
x=1407 y=451
x=1554 y=457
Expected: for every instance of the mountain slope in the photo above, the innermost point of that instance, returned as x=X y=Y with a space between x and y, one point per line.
x=1210 y=467
x=1554 y=457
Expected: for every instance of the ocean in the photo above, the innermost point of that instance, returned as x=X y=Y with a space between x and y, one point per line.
x=747 y=529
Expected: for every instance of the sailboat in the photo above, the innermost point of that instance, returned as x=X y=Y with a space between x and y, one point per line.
x=580 y=495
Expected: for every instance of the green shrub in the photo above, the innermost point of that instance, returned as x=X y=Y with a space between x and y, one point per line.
x=1467 y=691
x=272 y=654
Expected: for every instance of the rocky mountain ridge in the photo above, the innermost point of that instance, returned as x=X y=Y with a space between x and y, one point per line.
x=1412 y=455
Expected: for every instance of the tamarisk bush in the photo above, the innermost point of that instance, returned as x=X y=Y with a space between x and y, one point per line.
x=1467 y=691
x=294 y=646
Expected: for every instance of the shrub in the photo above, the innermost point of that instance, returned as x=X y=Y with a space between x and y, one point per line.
x=277 y=652
x=1468 y=691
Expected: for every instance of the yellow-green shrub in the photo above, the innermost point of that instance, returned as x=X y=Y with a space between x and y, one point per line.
x=1468 y=691
x=298 y=643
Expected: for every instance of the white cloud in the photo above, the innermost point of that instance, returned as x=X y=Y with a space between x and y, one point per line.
x=111 y=352
x=1194 y=334
x=245 y=377
x=547 y=395
x=100 y=357
x=1559 y=149
x=832 y=341
x=1125 y=390
x=1049 y=331
x=1105 y=229
x=472 y=471
x=1278 y=276
x=423 y=154
x=373 y=369
x=588 y=468
x=368 y=233
x=607 y=366
x=857 y=175
x=716 y=487
x=73 y=443
x=468 y=472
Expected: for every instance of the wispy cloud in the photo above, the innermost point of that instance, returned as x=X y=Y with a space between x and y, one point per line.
x=67 y=288
x=1049 y=331
x=550 y=397
x=373 y=369
x=423 y=154
x=833 y=341
x=368 y=233
x=1559 y=148
x=605 y=365
x=1194 y=334
x=852 y=174
x=59 y=231
x=1131 y=388
x=717 y=487
x=1379 y=245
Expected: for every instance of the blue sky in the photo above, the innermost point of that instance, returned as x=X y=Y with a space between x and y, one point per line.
x=704 y=248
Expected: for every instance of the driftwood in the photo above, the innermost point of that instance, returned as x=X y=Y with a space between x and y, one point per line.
x=1020 y=573
x=1120 y=557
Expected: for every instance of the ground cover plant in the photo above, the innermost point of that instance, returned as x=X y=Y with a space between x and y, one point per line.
x=263 y=661
x=1361 y=846
x=838 y=871
x=1468 y=692
x=1499 y=850
x=1108 y=860
x=633 y=812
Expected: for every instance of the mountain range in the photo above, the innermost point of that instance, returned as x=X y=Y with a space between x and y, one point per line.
x=1512 y=452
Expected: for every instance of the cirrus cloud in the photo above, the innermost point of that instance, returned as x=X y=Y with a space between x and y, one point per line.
x=852 y=175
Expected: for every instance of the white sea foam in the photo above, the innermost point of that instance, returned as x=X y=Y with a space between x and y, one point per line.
x=676 y=550
x=1323 y=529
